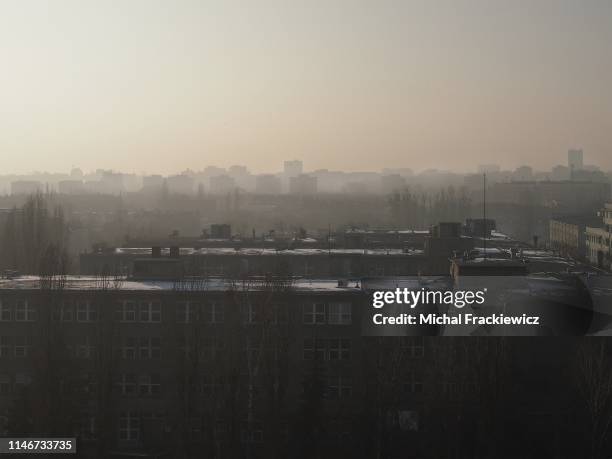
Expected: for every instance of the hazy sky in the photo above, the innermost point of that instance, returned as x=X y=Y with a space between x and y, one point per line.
x=160 y=86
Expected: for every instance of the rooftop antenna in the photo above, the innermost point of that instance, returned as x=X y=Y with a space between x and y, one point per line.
x=484 y=212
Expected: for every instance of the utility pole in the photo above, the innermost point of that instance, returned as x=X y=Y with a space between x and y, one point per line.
x=484 y=212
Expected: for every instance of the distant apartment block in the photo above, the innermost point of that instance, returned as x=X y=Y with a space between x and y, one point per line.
x=572 y=197
x=303 y=184
x=26 y=187
x=152 y=183
x=180 y=184
x=222 y=184
x=293 y=168
x=268 y=184
x=71 y=187
x=220 y=231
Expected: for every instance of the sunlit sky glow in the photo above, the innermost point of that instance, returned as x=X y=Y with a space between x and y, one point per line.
x=161 y=86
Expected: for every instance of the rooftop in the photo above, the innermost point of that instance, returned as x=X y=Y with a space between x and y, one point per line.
x=256 y=251
x=92 y=283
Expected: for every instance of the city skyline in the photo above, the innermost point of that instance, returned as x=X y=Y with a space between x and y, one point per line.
x=283 y=168
x=144 y=87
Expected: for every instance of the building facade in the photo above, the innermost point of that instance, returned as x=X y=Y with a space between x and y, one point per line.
x=599 y=240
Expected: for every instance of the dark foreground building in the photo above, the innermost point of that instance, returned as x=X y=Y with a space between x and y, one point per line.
x=275 y=368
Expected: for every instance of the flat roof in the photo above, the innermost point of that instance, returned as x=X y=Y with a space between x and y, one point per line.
x=92 y=283
x=257 y=251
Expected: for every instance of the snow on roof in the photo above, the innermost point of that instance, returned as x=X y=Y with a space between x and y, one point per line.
x=254 y=251
x=213 y=284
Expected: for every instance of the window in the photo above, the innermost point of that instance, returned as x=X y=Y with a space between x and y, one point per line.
x=314 y=349
x=5 y=346
x=128 y=349
x=86 y=312
x=186 y=312
x=63 y=312
x=195 y=427
x=149 y=384
x=252 y=351
x=339 y=387
x=21 y=381
x=339 y=349
x=254 y=434
x=85 y=349
x=413 y=384
x=87 y=427
x=209 y=387
x=24 y=312
x=414 y=346
x=127 y=384
x=5 y=311
x=251 y=313
x=126 y=311
x=150 y=347
x=314 y=313
x=213 y=313
x=23 y=345
x=90 y=383
x=5 y=384
x=129 y=426
x=150 y=311
x=340 y=313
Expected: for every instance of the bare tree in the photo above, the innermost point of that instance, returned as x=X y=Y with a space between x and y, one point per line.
x=594 y=378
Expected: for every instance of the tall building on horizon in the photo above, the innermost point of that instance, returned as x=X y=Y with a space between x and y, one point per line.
x=293 y=168
x=575 y=160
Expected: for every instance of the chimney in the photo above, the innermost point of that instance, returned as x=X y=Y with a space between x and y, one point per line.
x=156 y=251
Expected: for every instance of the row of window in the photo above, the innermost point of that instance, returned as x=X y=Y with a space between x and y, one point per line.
x=186 y=312
x=142 y=385
x=327 y=313
x=24 y=312
x=327 y=349
x=207 y=348
x=13 y=383
x=15 y=346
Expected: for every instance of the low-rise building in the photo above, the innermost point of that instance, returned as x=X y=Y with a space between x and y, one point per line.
x=567 y=234
x=599 y=239
x=303 y=184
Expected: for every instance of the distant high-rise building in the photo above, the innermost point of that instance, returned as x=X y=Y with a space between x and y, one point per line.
x=26 y=187
x=303 y=184
x=180 y=184
x=560 y=173
x=70 y=187
x=222 y=184
x=152 y=183
x=575 y=160
x=522 y=174
x=237 y=171
x=267 y=184
x=293 y=168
